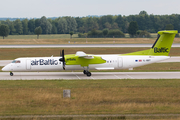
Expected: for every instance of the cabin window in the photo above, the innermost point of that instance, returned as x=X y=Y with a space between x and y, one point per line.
x=16 y=61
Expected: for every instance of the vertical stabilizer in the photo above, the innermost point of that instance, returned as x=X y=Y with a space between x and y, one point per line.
x=162 y=45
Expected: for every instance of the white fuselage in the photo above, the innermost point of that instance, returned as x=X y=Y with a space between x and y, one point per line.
x=53 y=63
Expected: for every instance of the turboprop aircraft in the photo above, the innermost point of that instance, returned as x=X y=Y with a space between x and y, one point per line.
x=82 y=61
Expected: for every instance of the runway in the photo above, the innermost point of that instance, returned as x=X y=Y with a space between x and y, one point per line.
x=80 y=45
x=81 y=76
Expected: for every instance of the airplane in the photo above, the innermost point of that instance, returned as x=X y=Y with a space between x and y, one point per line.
x=82 y=61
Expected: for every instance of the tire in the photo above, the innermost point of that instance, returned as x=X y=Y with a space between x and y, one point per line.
x=11 y=74
x=88 y=74
x=85 y=72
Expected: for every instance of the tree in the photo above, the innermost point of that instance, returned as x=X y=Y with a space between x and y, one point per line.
x=62 y=26
x=37 y=23
x=132 y=29
x=115 y=33
x=71 y=24
x=105 y=32
x=18 y=26
x=143 y=13
x=38 y=31
x=169 y=27
x=71 y=33
x=11 y=27
x=119 y=20
x=4 y=31
x=115 y=25
x=107 y=25
x=45 y=25
x=54 y=29
x=25 y=26
x=31 y=25
x=143 y=33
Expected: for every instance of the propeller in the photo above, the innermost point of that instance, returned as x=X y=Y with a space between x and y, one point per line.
x=62 y=59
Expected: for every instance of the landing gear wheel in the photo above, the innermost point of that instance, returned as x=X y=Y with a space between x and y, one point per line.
x=85 y=71
x=88 y=74
x=11 y=74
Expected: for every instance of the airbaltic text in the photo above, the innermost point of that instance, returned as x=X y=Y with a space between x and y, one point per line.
x=44 y=62
x=161 y=50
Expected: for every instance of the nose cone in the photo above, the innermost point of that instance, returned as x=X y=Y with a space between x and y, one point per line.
x=5 y=68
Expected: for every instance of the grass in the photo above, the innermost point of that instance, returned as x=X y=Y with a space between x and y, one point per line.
x=89 y=97
x=65 y=39
x=48 y=36
x=55 y=40
x=12 y=53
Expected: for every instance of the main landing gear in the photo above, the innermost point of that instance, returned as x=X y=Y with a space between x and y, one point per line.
x=86 y=72
x=11 y=74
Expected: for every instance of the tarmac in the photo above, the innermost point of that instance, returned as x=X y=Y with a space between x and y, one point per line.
x=81 y=76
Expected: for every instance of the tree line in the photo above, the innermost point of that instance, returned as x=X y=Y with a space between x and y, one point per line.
x=65 y=25
x=27 y=27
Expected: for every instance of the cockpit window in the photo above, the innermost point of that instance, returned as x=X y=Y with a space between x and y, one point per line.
x=16 y=61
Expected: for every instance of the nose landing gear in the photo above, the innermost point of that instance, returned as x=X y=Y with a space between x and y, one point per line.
x=11 y=74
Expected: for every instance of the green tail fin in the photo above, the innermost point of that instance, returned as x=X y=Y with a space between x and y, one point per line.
x=162 y=45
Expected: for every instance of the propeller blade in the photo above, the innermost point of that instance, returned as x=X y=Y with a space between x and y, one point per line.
x=63 y=55
x=62 y=59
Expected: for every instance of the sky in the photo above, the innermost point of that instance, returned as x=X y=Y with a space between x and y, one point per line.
x=83 y=8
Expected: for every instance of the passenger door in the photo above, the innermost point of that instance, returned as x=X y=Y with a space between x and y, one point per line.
x=28 y=64
x=120 y=62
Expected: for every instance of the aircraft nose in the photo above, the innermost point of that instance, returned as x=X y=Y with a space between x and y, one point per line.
x=5 y=68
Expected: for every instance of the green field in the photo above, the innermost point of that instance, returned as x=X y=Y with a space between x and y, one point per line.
x=48 y=36
x=89 y=97
x=54 y=36
x=65 y=39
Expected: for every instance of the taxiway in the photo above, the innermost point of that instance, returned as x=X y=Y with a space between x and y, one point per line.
x=81 y=76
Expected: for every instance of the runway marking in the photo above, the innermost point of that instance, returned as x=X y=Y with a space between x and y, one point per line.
x=76 y=75
x=117 y=77
x=91 y=77
x=128 y=76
